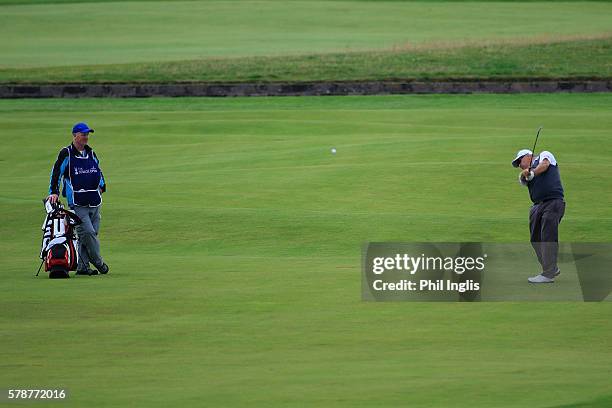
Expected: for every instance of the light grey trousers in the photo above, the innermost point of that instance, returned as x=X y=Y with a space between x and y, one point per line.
x=89 y=245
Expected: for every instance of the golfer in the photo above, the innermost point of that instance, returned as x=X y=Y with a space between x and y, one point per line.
x=541 y=176
x=78 y=166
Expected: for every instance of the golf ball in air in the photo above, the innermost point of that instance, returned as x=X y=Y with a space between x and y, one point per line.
x=333 y=150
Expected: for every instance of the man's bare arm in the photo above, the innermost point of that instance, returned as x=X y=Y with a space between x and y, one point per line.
x=542 y=167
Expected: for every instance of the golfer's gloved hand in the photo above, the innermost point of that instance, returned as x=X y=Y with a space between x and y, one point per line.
x=522 y=180
x=527 y=174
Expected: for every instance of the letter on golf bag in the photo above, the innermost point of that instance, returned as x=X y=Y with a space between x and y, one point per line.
x=58 y=250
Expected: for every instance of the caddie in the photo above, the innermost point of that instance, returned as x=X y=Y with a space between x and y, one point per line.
x=79 y=167
x=541 y=176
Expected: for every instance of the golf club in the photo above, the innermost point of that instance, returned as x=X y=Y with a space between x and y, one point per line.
x=534 y=145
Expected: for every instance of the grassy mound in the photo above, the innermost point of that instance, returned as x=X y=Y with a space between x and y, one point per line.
x=301 y=40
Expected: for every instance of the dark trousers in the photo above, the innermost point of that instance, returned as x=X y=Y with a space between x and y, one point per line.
x=544 y=219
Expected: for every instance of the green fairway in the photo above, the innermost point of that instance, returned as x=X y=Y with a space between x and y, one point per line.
x=185 y=40
x=234 y=237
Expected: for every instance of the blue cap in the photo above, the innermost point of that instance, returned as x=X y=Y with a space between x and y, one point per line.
x=81 y=127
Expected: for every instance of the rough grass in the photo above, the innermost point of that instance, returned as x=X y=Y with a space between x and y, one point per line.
x=530 y=58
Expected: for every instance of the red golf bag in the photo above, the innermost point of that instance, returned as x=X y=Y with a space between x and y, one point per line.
x=59 y=243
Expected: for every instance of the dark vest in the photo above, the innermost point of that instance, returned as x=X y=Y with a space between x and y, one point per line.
x=547 y=185
x=85 y=178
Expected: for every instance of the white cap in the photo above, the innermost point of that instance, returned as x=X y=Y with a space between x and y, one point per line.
x=519 y=156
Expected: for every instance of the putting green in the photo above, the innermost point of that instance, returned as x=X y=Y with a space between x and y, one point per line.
x=234 y=235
